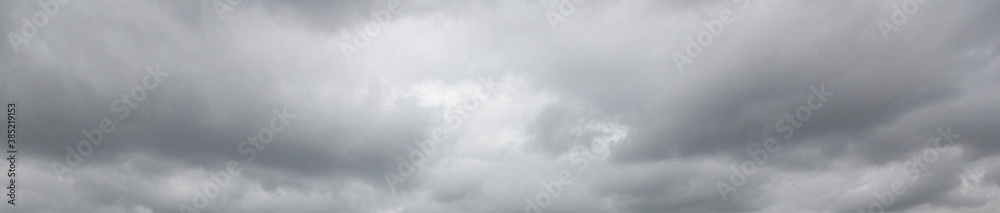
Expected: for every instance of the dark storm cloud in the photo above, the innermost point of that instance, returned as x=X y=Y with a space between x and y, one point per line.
x=608 y=66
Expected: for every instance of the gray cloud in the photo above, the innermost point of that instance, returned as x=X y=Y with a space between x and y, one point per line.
x=564 y=87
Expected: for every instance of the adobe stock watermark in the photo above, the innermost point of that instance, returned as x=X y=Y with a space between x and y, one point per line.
x=94 y=137
x=562 y=10
x=249 y=148
x=900 y=15
x=912 y=168
x=759 y=156
x=453 y=116
x=713 y=29
x=29 y=28
x=613 y=134
x=373 y=28
x=225 y=6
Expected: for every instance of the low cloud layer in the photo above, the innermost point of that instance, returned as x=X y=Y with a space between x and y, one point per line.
x=503 y=106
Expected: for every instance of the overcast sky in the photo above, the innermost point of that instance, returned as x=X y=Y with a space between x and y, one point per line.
x=503 y=106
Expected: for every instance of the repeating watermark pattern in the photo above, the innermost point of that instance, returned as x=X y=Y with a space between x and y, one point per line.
x=562 y=10
x=225 y=6
x=94 y=137
x=249 y=148
x=12 y=152
x=759 y=156
x=364 y=35
x=453 y=116
x=613 y=132
x=900 y=15
x=912 y=169
x=713 y=29
x=29 y=28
